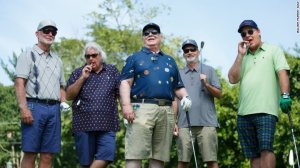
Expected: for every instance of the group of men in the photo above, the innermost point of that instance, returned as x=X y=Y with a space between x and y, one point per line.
x=155 y=98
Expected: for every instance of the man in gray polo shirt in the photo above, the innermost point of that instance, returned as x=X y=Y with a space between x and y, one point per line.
x=203 y=85
x=39 y=84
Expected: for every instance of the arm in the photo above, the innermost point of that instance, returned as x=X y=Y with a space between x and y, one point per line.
x=25 y=113
x=234 y=72
x=62 y=94
x=127 y=109
x=175 y=109
x=214 y=91
x=180 y=93
x=284 y=81
x=73 y=90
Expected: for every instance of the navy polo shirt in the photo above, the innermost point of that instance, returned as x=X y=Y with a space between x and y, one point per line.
x=97 y=109
x=155 y=75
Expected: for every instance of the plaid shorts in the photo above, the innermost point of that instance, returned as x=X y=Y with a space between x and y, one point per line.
x=256 y=133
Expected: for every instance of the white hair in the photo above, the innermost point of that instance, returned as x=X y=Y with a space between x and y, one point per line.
x=97 y=47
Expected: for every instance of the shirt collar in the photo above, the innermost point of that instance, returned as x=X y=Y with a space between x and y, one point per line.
x=261 y=48
x=40 y=51
x=186 y=69
x=148 y=51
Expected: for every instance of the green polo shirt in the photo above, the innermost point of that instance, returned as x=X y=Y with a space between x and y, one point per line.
x=259 y=85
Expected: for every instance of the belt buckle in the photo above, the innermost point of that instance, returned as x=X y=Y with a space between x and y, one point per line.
x=161 y=102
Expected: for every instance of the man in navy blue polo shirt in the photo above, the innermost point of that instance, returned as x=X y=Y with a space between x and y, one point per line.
x=94 y=89
x=150 y=81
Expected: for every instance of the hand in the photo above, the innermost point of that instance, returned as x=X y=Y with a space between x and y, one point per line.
x=203 y=78
x=128 y=113
x=26 y=116
x=186 y=103
x=175 y=130
x=243 y=47
x=86 y=71
x=64 y=107
x=285 y=103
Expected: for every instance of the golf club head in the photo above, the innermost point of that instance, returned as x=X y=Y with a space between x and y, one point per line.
x=291 y=158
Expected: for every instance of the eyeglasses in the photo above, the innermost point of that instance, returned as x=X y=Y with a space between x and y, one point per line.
x=250 y=32
x=47 y=31
x=189 y=49
x=87 y=56
x=153 y=31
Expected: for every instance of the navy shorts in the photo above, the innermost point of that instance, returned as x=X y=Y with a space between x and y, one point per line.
x=256 y=133
x=95 y=145
x=44 y=135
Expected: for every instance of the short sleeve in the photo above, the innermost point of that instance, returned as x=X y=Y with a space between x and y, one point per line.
x=128 y=69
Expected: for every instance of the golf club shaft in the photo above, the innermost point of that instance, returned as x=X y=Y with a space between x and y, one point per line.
x=294 y=138
x=201 y=64
x=191 y=136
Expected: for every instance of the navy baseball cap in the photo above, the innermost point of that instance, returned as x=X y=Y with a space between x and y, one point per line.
x=245 y=23
x=151 y=25
x=189 y=42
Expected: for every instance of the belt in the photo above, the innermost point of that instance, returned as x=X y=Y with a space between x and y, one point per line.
x=160 y=102
x=43 y=101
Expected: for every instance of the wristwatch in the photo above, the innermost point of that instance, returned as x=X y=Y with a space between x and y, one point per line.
x=285 y=95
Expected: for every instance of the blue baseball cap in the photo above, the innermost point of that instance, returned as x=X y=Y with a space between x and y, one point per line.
x=249 y=23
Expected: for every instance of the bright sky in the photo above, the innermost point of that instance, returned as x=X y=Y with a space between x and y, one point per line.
x=214 y=22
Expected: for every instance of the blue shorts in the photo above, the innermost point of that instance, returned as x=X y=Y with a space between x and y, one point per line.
x=44 y=135
x=95 y=145
x=256 y=133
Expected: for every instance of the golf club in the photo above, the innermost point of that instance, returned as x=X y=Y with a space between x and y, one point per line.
x=293 y=135
x=201 y=63
x=291 y=159
x=191 y=136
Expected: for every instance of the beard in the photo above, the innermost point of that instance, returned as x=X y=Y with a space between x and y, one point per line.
x=191 y=60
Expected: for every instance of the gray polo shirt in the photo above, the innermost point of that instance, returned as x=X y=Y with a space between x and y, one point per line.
x=49 y=69
x=203 y=112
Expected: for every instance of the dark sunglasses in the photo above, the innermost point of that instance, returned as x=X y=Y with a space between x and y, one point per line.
x=47 y=31
x=189 y=49
x=153 y=31
x=250 y=32
x=87 y=56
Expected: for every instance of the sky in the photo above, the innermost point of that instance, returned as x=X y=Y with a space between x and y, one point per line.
x=214 y=22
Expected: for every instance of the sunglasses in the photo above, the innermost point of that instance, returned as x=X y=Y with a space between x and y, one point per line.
x=153 y=31
x=189 y=49
x=87 y=56
x=250 y=32
x=47 y=31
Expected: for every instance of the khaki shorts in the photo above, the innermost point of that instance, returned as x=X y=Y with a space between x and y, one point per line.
x=207 y=142
x=150 y=134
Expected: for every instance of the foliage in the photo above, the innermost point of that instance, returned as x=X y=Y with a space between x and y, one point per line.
x=9 y=125
x=13 y=62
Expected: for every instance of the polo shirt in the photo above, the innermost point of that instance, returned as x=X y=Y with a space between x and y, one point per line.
x=155 y=75
x=202 y=112
x=259 y=82
x=49 y=70
x=95 y=107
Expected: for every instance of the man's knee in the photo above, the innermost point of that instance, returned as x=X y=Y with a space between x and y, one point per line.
x=130 y=163
x=46 y=157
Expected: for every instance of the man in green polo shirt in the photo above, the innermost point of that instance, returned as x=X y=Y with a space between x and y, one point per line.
x=262 y=71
